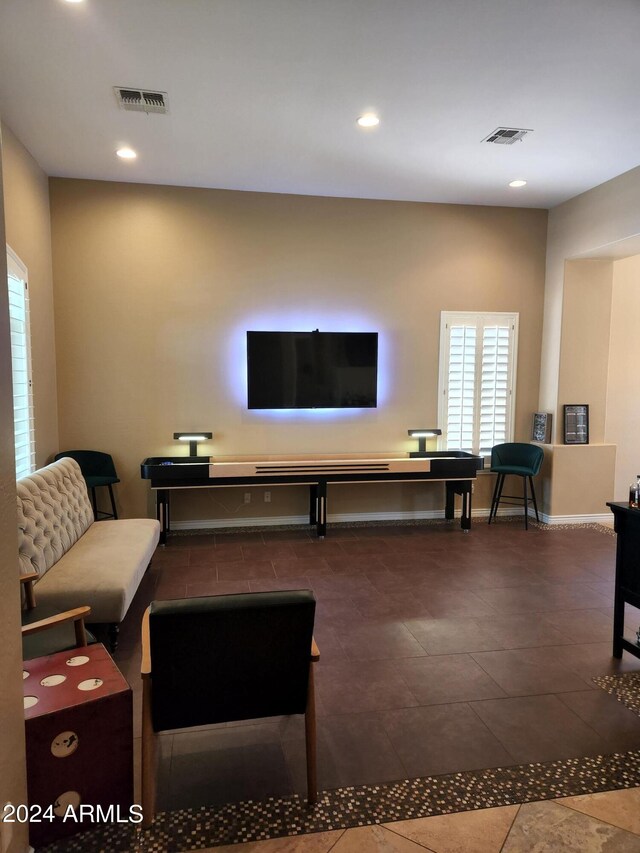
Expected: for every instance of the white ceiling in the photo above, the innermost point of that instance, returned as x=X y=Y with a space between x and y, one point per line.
x=264 y=94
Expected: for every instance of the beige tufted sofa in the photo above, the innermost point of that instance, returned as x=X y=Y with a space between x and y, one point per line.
x=80 y=561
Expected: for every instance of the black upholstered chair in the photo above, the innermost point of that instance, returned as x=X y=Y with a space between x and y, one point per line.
x=229 y=657
x=46 y=630
x=98 y=470
x=519 y=460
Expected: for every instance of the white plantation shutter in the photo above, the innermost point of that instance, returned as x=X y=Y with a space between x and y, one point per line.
x=21 y=365
x=462 y=382
x=495 y=391
x=477 y=380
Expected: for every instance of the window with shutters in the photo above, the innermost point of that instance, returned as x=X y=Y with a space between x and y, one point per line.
x=21 y=365
x=477 y=380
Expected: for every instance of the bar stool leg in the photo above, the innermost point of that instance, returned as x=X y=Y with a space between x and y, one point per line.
x=493 y=499
x=526 y=504
x=533 y=495
x=93 y=503
x=499 y=495
x=113 y=503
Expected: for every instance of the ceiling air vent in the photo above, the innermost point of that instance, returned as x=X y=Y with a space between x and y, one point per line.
x=142 y=100
x=507 y=135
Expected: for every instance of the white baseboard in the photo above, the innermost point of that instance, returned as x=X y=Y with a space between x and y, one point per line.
x=601 y=518
x=362 y=517
x=344 y=517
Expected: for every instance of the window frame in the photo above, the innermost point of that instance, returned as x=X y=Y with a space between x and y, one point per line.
x=17 y=269
x=479 y=319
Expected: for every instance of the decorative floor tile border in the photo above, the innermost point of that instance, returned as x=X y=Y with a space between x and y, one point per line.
x=343 y=808
x=626 y=688
x=591 y=525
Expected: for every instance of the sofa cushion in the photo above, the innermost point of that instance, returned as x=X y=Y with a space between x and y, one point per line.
x=54 y=511
x=103 y=569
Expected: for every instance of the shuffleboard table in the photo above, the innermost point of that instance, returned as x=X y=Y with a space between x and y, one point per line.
x=456 y=469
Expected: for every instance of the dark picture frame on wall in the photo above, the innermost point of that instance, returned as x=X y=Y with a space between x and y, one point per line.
x=541 y=427
x=576 y=423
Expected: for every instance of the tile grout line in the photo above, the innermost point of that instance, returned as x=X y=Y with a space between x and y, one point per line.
x=593 y=817
x=506 y=838
x=400 y=835
x=504 y=746
x=329 y=849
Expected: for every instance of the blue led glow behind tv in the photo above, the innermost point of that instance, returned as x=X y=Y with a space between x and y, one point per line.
x=312 y=370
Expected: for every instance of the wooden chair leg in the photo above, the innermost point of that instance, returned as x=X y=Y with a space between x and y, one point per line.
x=526 y=503
x=148 y=780
x=310 y=736
x=81 y=634
x=114 y=511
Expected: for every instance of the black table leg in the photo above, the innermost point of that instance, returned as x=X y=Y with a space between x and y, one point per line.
x=465 y=518
x=313 y=504
x=618 y=623
x=162 y=513
x=450 y=500
x=321 y=520
x=464 y=489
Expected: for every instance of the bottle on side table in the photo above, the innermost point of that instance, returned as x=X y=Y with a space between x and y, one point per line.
x=634 y=493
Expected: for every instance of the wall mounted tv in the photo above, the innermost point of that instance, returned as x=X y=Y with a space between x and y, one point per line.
x=312 y=370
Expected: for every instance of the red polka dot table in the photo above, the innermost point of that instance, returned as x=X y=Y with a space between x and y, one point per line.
x=79 y=733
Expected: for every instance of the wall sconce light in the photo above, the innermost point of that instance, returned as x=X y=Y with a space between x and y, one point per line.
x=422 y=435
x=193 y=438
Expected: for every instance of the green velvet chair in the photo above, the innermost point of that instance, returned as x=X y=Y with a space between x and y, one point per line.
x=518 y=460
x=98 y=470
x=221 y=658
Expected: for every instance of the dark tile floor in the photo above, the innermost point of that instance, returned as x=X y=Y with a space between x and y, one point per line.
x=440 y=652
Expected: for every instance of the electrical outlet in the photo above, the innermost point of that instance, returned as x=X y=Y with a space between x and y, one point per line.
x=247 y=497
x=267 y=497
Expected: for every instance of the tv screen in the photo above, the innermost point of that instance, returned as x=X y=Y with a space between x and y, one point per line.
x=312 y=370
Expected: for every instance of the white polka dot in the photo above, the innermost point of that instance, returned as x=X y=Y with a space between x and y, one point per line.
x=90 y=684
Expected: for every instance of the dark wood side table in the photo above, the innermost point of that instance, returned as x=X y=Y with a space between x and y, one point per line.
x=79 y=734
x=627 y=588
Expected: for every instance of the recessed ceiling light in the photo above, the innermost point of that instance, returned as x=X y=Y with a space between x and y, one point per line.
x=368 y=120
x=125 y=153
x=518 y=183
x=75 y=1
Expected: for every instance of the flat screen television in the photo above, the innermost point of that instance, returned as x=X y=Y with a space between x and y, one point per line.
x=312 y=370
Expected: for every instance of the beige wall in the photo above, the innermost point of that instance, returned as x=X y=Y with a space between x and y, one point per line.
x=12 y=749
x=601 y=217
x=26 y=202
x=623 y=400
x=584 y=350
x=582 y=480
x=596 y=223
x=583 y=476
x=156 y=286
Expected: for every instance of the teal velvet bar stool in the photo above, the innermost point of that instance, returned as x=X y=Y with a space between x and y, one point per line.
x=98 y=470
x=520 y=460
